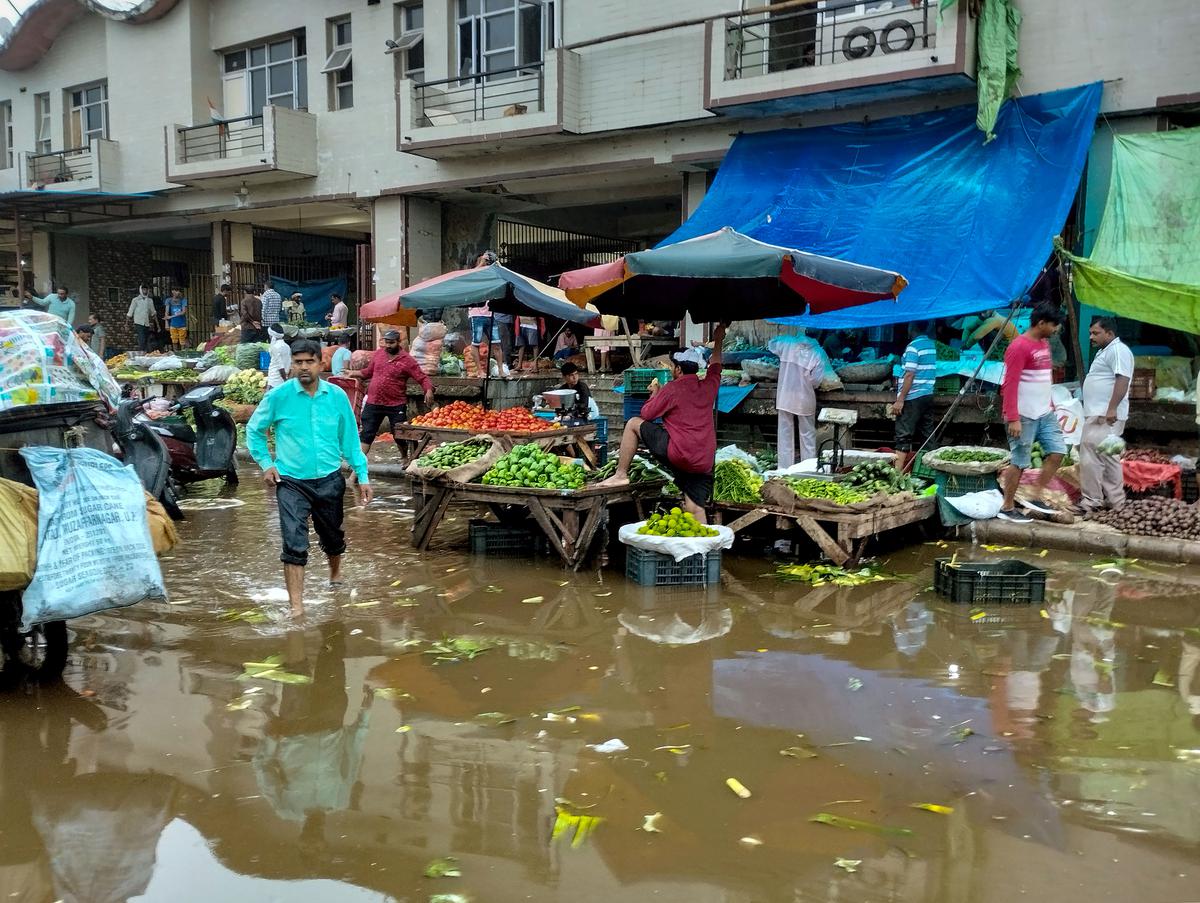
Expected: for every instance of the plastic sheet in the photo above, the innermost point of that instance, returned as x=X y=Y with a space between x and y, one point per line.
x=968 y=224
x=41 y=362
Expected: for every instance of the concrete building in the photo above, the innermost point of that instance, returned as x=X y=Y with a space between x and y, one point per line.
x=197 y=141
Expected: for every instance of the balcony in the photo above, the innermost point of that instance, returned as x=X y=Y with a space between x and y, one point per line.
x=525 y=106
x=91 y=168
x=834 y=54
x=276 y=146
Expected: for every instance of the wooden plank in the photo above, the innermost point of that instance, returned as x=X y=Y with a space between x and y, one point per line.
x=543 y=519
x=836 y=553
x=751 y=517
x=431 y=516
x=595 y=516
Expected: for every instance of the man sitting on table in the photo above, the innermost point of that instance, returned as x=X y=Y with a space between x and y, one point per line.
x=686 y=440
x=390 y=370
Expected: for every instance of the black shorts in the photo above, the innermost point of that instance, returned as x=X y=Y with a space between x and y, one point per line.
x=696 y=486
x=373 y=416
x=322 y=500
x=915 y=424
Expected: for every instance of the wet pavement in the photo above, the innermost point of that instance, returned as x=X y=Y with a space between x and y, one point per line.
x=1064 y=739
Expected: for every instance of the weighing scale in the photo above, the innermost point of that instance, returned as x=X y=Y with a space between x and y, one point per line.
x=841 y=419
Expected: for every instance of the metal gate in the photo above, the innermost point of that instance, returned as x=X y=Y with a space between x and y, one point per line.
x=542 y=252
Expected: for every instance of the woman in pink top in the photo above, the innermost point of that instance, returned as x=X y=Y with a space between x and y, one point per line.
x=1028 y=412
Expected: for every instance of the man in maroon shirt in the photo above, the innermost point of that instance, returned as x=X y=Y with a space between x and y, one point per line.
x=686 y=440
x=390 y=370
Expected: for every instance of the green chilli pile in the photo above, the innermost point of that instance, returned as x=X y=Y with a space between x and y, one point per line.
x=638 y=472
x=454 y=454
x=736 y=481
x=827 y=490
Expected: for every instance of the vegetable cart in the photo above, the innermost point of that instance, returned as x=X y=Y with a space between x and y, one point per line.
x=573 y=438
x=850 y=529
x=573 y=521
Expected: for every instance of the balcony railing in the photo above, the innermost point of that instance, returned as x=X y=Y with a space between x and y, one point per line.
x=835 y=32
x=76 y=164
x=472 y=98
x=221 y=140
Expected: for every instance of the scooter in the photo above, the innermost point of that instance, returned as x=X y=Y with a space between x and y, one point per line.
x=207 y=452
x=144 y=449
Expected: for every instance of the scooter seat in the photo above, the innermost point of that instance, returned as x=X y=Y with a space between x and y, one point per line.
x=176 y=429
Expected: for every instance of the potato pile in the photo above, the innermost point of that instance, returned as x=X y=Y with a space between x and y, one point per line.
x=1163 y=516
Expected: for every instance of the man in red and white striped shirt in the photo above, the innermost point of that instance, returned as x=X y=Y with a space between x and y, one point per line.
x=1028 y=412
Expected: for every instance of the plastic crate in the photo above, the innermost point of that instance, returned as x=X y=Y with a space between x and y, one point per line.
x=633 y=407
x=1191 y=492
x=923 y=471
x=601 y=450
x=978 y=582
x=601 y=424
x=957 y=484
x=638 y=379
x=656 y=569
x=503 y=540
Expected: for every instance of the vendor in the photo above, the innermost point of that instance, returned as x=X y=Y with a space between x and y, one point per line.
x=389 y=371
x=801 y=369
x=293 y=309
x=913 y=407
x=686 y=440
x=583 y=395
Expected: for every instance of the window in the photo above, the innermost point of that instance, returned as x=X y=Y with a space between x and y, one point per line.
x=499 y=36
x=41 y=107
x=270 y=74
x=340 y=66
x=88 y=118
x=6 y=135
x=409 y=42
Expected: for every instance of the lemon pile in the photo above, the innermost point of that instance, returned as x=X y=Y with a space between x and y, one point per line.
x=674 y=523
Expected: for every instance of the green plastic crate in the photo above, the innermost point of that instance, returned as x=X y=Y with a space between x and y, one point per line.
x=638 y=379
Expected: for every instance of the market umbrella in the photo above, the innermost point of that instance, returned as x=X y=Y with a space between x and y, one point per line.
x=506 y=291
x=722 y=273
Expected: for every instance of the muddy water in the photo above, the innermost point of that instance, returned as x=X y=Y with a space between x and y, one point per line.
x=1065 y=744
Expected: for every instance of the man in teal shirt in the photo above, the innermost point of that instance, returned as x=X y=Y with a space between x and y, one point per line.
x=314 y=431
x=61 y=304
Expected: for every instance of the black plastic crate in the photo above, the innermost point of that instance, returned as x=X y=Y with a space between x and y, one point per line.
x=956 y=484
x=656 y=569
x=1191 y=492
x=979 y=582
x=505 y=540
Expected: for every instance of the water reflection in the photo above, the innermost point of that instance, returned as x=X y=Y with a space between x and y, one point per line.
x=1065 y=739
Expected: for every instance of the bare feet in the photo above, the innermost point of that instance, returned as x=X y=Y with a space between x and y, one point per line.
x=296 y=613
x=615 y=480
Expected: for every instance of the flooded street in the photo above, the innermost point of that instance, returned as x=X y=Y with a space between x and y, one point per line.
x=1063 y=740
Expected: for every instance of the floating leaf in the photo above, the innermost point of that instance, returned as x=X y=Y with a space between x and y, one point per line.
x=820 y=574
x=391 y=693
x=237 y=705
x=798 y=752
x=404 y=729
x=492 y=588
x=854 y=684
x=750 y=841
x=738 y=787
x=650 y=823
x=853 y=824
x=569 y=823
x=449 y=898
x=1163 y=679
x=961 y=733
x=978 y=615
x=850 y=865
x=995 y=548
x=283 y=677
x=397 y=582
x=933 y=807
x=496 y=718
x=533 y=600
x=362 y=604
x=681 y=750
x=446 y=867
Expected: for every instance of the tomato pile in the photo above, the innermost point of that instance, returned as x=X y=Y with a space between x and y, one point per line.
x=459 y=415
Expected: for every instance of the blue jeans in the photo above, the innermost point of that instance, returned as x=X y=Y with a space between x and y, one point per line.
x=1045 y=431
x=478 y=325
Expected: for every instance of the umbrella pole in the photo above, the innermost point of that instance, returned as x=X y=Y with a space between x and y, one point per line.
x=487 y=364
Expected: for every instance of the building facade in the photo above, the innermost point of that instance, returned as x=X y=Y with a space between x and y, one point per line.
x=199 y=141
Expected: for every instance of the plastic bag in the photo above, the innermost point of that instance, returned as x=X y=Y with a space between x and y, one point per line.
x=94 y=547
x=733 y=452
x=216 y=375
x=1069 y=411
x=18 y=535
x=167 y=362
x=978 y=505
x=454 y=342
x=1112 y=444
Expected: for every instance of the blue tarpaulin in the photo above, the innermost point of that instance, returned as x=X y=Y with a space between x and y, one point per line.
x=316 y=294
x=968 y=224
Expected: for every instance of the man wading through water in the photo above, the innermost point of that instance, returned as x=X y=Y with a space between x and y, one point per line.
x=314 y=432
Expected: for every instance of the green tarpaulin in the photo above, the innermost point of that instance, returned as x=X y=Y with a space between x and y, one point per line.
x=996 y=69
x=1144 y=264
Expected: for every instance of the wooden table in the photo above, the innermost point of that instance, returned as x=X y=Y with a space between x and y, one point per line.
x=572 y=437
x=638 y=345
x=572 y=521
x=853 y=528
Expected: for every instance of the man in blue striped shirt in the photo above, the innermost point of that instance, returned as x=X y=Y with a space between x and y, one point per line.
x=314 y=431
x=913 y=407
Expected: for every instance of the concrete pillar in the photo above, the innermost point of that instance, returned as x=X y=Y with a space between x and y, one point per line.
x=41 y=263
x=695 y=184
x=387 y=237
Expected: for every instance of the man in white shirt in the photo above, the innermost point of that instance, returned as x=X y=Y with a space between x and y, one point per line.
x=143 y=316
x=1105 y=410
x=279 y=369
x=801 y=368
x=340 y=313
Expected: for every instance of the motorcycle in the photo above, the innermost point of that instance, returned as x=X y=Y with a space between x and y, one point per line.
x=206 y=452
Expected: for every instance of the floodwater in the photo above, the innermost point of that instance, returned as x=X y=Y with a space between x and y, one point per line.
x=1063 y=739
